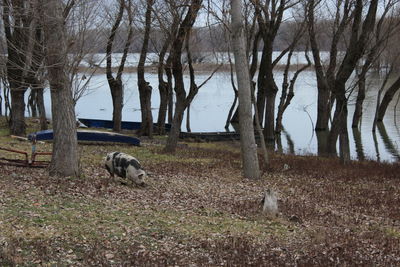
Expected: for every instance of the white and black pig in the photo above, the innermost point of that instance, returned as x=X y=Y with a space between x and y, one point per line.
x=125 y=166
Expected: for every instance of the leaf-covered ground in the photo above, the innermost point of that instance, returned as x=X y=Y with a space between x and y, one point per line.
x=198 y=211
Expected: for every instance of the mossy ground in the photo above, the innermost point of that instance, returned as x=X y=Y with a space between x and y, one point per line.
x=198 y=210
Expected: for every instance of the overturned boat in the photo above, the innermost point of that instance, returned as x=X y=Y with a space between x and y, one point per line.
x=109 y=124
x=90 y=136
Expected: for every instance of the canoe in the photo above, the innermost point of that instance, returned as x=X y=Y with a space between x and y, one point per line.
x=210 y=136
x=108 y=124
x=92 y=136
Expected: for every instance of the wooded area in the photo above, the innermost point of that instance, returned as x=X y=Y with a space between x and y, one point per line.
x=359 y=36
x=156 y=199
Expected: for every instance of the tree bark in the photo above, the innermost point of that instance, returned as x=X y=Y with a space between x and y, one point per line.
x=247 y=139
x=162 y=88
x=65 y=160
x=168 y=72
x=144 y=87
x=323 y=109
x=173 y=136
x=358 y=111
x=182 y=98
x=42 y=109
x=115 y=84
x=387 y=98
x=358 y=143
x=17 y=37
x=360 y=33
x=17 y=117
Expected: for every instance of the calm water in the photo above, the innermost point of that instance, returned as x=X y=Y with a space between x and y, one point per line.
x=210 y=108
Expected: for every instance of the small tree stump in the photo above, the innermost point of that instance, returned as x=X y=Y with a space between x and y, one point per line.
x=270 y=203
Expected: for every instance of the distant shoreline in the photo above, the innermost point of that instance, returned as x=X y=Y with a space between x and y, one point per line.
x=199 y=67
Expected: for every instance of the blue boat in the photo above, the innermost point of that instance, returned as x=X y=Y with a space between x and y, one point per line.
x=93 y=136
x=108 y=124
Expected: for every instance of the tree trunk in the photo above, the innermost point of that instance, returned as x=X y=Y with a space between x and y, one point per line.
x=188 y=129
x=42 y=109
x=65 y=160
x=248 y=145
x=115 y=84
x=162 y=112
x=7 y=106
x=261 y=80
x=267 y=90
x=390 y=146
x=32 y=106
x=182 y=98
x=235 y=99
x=163 y=89
x=18 y=126
x=117 y=95
x=269 y=128
x=360 y=32
x=173 y=135
x=168 y=72
x=323 y=109
x=358 y=143
x=322 y=142
x=340 y=114
x=339 y=127
x=344 y=143
x=17 y=37
x=144 y=87
x=359 y=102
x=387 y=98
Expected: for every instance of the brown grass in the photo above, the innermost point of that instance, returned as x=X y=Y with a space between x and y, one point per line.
x=197 y=210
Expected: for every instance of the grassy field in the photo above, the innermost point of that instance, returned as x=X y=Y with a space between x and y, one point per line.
x=198 y=211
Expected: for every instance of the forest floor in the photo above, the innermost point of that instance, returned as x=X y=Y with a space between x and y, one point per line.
x=197 y=210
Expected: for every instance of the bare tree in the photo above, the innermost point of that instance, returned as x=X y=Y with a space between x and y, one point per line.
x=168 y=17
x=352 y=24
x=386 y=27
x=145 y=89
x=248 y=145
x=116 y=86
x=36 y=77
x=325 y=76
x=360 y=34
x=82 y=18
x=65 y=160
x=287 y=90
x=182 y=98
x=387 y=98
x=17 y=20
x=269 y=16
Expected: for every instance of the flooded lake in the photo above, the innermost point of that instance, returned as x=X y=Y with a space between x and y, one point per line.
x=210 y=108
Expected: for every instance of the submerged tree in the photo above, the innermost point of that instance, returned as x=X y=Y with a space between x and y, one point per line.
x=269 y=15
x=326 y=74
x=360 y=34
x=386 y=27
x=387 y=98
